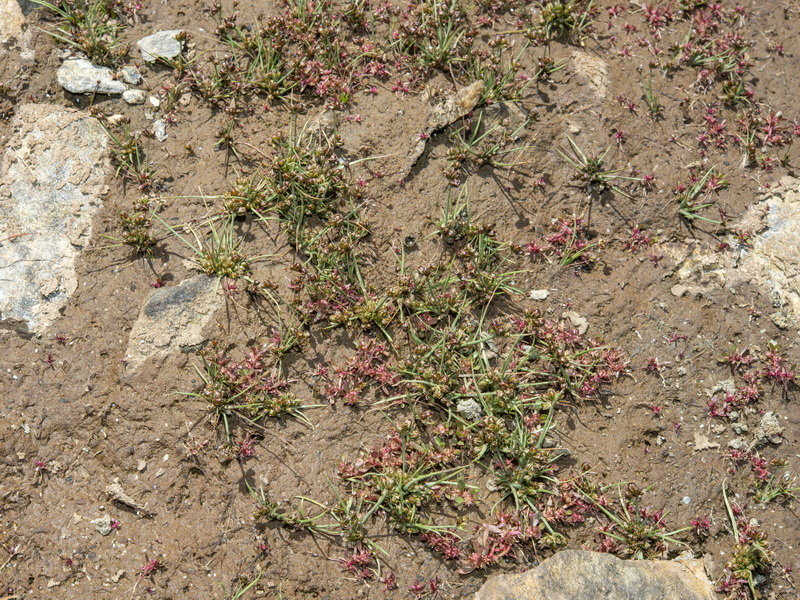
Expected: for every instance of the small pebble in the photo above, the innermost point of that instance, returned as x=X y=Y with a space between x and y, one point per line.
x=134 y=96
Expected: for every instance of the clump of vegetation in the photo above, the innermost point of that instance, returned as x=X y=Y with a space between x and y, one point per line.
x=137 y=228
x=250 y=389
x=94 y=27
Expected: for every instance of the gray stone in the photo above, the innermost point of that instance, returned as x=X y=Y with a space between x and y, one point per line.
x=79 y=76
x=781 y=320
x=12 y=22
x=160 y=130
x=103 y=525
x=581 y=575
x=323 y=126
x=726 y=386
x=452 y=107
x=16 y=35
x=770 y=261
x=130 y=75
x=173 y=318
x=162 y=44
x=52 y=174
x=679 y=290
x=134 y=96
x=593 y=70
x=444 y=110
x=769 y=430
x=28 y=6
x=470 y=409
x=538 y=294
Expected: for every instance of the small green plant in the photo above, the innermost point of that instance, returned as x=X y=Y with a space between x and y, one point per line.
x=651 y=99
x=436 y=35
x=480 y=257
x=502 y=79
x=781 y=491
x=479 y=145
x=296 y=516
x=218 y=254
x=242 y=587
x=130 y=156
x=546 y=66
x=563 y=19
x=251 y=389
x=409 y=476
x=633 y=530
x=248 y=195
x=751 y=554
x=688 y=206
x=592 y=173
x=137 y=230
x=91 y=26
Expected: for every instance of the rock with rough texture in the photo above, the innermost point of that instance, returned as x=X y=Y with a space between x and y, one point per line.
x=52 y=175
x=769 y=430
x=130 y=75
x=16 y=36
x=103 y=525
x=580 y=575
x=442 y=112
x=12 y=22
x=163 y=44
x=134 y=96
x=593 y=70
x=79 y=76
x=578 y=322
x=160 y=130
x=470 y=409
x=770 y=261
x=173 y=318
x=454 y=106
x=775 y=255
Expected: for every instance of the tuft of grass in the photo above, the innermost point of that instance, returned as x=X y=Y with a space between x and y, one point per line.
x=251 y=389
x=651 y=99
x=219 y=254
x=436 y=35
x=689 y=207
x=633 y=530
x=751 y=554
x=478 y=145
x=130 y=156
x=93 y=27
x=137 y=229
x=591 y=169
x=560 y=19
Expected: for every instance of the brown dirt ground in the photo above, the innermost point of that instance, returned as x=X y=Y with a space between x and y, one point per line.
x=92 y=421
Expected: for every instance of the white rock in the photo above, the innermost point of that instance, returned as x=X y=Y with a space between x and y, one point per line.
x=538 y=294
x=134 y=96
x=593 y=69
x=162 y=44
x=578 y=322
x=11 y=22
x=160 y=130
x=52 y=177
x=131 y=75
x=470 y=409
x=173 y=319
x=79 y=76
x=102 y=525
